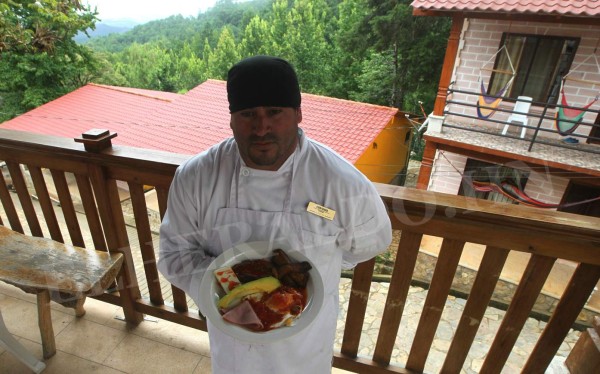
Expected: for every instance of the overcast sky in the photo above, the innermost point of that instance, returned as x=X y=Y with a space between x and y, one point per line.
x=147 y=10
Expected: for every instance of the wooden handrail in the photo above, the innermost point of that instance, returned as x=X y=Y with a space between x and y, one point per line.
x=42 y=164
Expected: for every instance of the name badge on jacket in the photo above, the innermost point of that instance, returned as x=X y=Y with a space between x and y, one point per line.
x=320 y=211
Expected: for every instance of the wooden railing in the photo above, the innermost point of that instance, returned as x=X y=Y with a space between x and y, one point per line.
x=39 y=165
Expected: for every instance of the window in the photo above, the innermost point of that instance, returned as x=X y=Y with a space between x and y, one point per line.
x=594 y=137
x=482 y=171
x=579 y=192
x=539 y=63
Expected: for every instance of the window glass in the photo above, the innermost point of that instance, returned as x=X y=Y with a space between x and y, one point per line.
x=539 y=63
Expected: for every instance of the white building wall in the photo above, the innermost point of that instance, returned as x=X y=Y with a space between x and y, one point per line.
x=544 y=186
x=446 y=175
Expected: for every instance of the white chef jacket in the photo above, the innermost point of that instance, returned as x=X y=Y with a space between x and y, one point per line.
x=216 y=202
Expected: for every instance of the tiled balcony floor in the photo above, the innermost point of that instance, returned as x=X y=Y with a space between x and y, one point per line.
x=100 y=343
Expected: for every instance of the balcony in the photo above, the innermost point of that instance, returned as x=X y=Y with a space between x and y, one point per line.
x=542 y=137
x=392 y=325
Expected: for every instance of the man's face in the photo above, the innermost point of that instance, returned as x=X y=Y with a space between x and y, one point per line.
x=266 y=136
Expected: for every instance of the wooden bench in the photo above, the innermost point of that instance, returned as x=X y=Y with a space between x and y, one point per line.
x=55 y=271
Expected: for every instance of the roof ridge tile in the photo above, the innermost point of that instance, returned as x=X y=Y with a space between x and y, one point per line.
x=129 y=90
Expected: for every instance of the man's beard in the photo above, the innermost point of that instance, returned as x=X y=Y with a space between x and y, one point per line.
x=264 y=158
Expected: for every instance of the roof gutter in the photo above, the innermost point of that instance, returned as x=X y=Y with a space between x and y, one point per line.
x=530 y=17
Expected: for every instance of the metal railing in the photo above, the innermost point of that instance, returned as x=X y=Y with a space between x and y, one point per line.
x=541 y=134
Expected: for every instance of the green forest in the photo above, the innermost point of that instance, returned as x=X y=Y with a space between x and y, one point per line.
x=372 y=51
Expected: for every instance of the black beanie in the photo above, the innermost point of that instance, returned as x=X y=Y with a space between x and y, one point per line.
x=262 y=81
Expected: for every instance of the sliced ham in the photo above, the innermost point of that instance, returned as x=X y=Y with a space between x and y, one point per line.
x=244 y=315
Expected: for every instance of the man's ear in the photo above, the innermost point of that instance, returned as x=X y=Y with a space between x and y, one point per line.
x=299 y=114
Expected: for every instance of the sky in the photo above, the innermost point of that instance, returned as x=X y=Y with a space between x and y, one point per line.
x=147 y=10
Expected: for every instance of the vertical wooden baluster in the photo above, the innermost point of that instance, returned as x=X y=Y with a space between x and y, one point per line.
x=45 y=203
x=576 y=294
x=437 y=295
x=357 y=306
x=404 y=266
x=179 y=297
x=91 y=212
x=25 y=199
x=142 y=224
x=68 y=209
x=530 y=286
x=481 y=293
x=9 y=207
x=92 y=217
x=113 y=222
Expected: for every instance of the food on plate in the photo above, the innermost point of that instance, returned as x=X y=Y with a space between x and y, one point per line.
x=269 y=293
x=227 y=278
x=262 y=285
x=250 y=270
x=290 y=273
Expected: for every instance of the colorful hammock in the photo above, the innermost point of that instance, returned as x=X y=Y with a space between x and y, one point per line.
x=566 y=118
x=486 y=104
x=510 y=189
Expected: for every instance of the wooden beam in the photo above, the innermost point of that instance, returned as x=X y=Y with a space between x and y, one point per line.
x=448 y=67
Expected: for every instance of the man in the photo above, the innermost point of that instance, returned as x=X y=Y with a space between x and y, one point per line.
x=257 y=186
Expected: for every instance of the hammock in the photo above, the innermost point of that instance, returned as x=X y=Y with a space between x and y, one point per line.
x=509 y=189
x=487 y=104
x=566 y=118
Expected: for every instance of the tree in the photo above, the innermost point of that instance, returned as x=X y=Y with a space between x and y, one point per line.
x=350 y=48
x=223 y=56
x=190 y=70
x=309 y=50
x=39 y=61
x=147 y=66
x=256 y=38
x=415 y=46
x=375 y=79
x=279 y=23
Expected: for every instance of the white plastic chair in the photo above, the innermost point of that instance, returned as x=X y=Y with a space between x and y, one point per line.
x=8 y=342
x=520 y=110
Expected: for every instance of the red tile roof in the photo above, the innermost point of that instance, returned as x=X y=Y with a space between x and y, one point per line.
x=574 y=8
x=91 y=106
x=191 y=123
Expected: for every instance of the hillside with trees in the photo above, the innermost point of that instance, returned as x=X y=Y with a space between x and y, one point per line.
x=372 y=51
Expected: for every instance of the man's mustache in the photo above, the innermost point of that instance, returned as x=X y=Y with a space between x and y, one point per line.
x=260 y=139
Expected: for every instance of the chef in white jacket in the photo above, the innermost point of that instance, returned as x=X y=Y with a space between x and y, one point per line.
x=270 y=182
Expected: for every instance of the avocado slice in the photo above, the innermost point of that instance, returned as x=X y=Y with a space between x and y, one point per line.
x=234 y=297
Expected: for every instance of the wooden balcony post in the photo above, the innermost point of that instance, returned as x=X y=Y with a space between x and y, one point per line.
x=585 y=356
x=448 y=67
x=426 y=165
x=96 y=140
x=111 y=216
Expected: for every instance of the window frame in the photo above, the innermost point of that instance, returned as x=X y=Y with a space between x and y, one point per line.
x=552 y=93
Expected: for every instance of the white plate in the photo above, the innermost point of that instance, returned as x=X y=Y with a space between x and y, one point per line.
x=211 y=292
